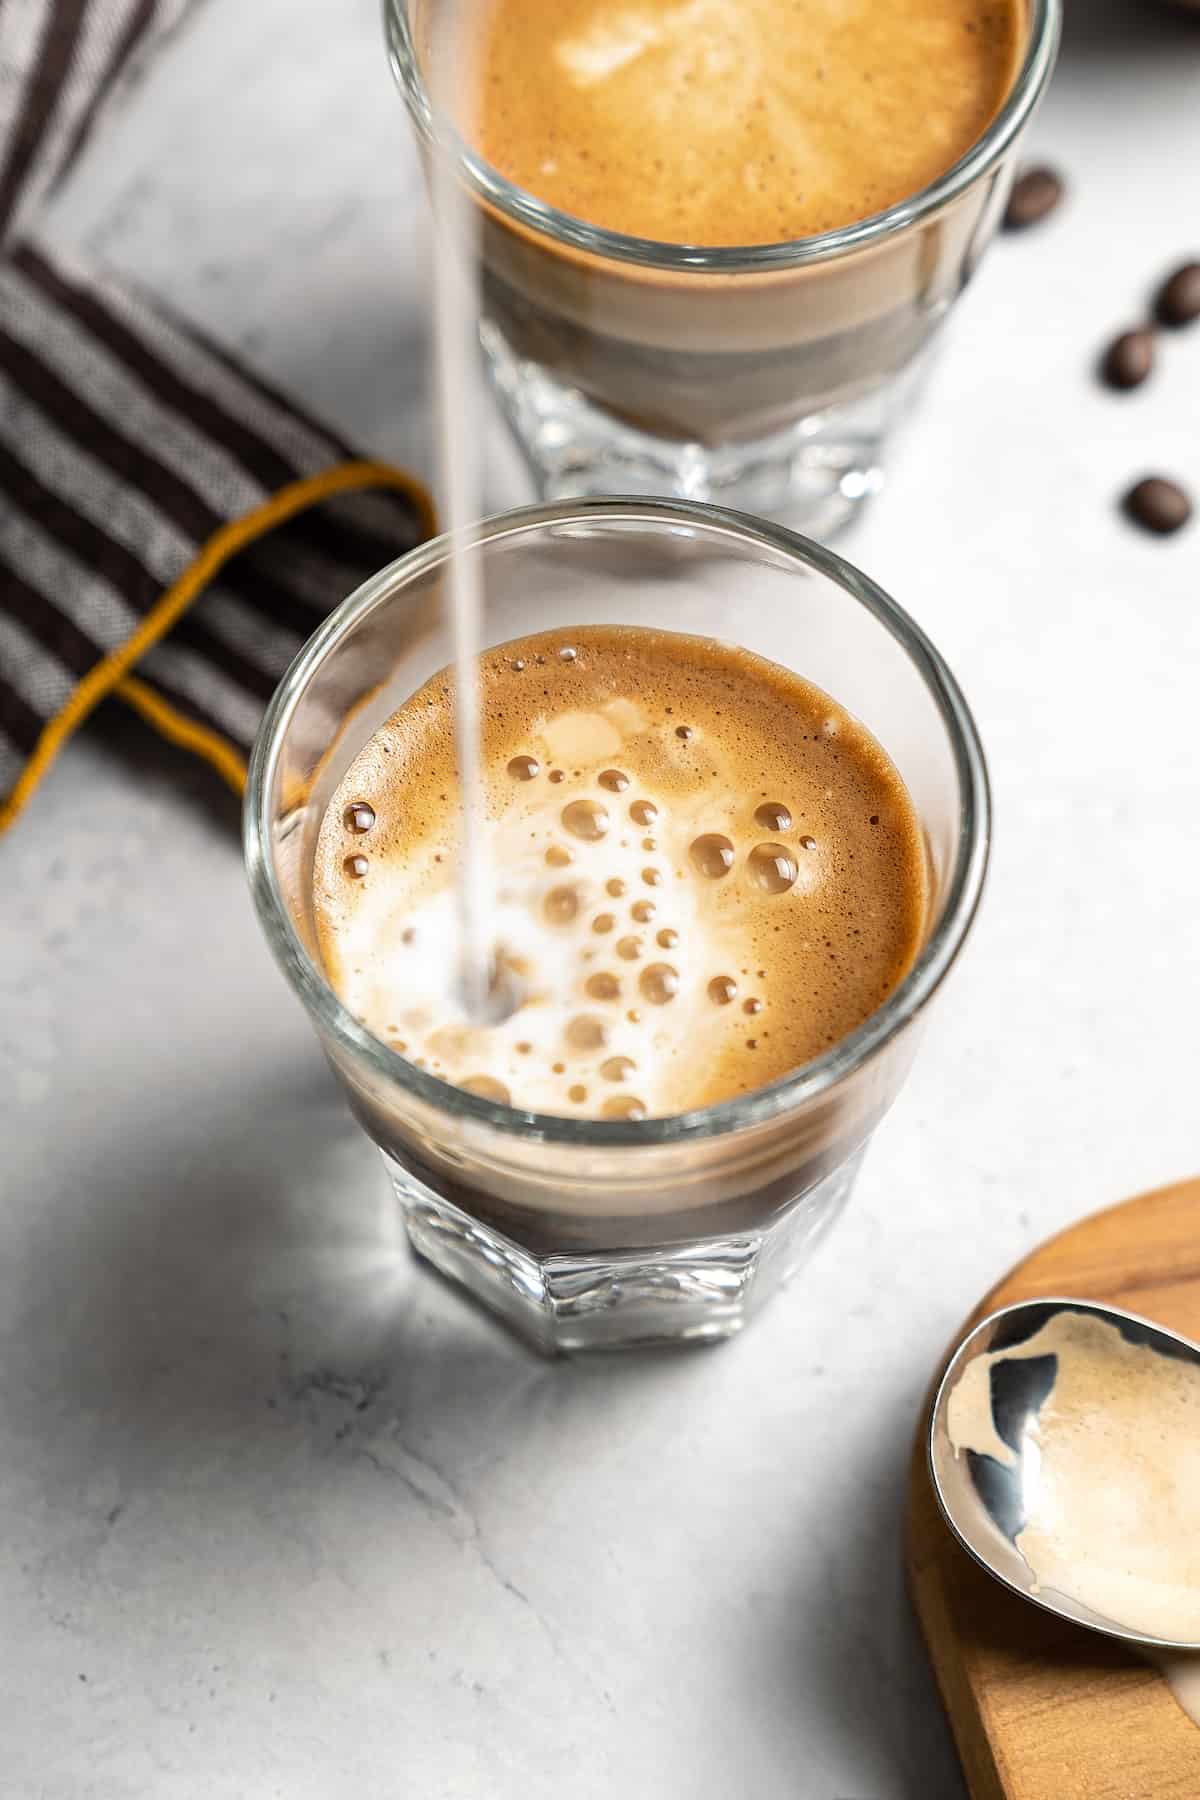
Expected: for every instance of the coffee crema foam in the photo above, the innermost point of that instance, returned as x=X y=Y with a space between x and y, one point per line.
x=737 y=121
x=707 y=873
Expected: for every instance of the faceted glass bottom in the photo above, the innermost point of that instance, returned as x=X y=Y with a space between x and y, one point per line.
x=815 y=476
x=565 y=1301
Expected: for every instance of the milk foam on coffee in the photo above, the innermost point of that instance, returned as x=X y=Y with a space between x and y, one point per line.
x=1110 y=1519
x=737 y=121
x=706 y=874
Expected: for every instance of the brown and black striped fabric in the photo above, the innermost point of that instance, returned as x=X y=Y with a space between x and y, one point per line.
x=171 y=528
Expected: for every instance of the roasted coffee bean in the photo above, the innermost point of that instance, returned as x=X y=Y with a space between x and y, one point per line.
x=1035 y=193
x=1177 y=301
x=1129 y=358
x=1158 y=505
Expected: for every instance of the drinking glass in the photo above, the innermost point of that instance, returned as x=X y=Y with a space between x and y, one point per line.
x=588 y=1233
x=764 y=377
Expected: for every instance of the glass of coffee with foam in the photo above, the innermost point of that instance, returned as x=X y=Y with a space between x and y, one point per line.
x=716 y=237
x=735 y=823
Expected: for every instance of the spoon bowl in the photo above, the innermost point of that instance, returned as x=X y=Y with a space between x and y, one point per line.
x=985 y=1487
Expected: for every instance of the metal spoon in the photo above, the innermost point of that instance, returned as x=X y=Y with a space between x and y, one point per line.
x=983 y=1499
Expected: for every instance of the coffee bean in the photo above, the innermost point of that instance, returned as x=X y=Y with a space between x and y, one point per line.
x=1177 y=301
x=1129 y=358
x=1035 y=193
x=1158 y=505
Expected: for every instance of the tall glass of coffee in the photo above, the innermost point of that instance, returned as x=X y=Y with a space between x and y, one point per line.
x=717 y=236
x=737 y=823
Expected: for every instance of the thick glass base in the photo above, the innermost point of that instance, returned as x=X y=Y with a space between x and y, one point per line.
x=563 y=1301
x=814 y=476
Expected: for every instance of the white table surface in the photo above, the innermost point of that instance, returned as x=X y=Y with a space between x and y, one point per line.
x=281 y=1514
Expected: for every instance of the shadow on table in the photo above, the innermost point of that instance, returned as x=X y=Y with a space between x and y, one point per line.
x=850 y=1637
x=232 y=1333
x=1129 y=32
x=242 y=1285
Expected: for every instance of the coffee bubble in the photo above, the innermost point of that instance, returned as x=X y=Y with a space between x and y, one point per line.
x=359 y=817
x=356 y=867
x=560 y=906
x=752 y=1006
x=603 y=922
x=652 y=877
x=524 y=768
x=586 y=1032
x=643 y=812
x=618 y=1068
x=615 y=887
x=585 y=819
x=773 y=815
x=624 y=1106
x=649 y=843
x=712 y=855
x=667 y=938
x=557 y=775
x=614 y=780
x=772 y=867
x=577 y=1093
x=722 y=989
x=558 y=856
x=602 y=986
x=659 y=983
x=643 y=911
x=567 y=654
x=630 y=948
x=808 y=843
x=488 y=1088
x=684 y=733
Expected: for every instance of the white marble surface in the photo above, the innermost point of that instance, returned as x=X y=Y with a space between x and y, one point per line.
x=282 y=1516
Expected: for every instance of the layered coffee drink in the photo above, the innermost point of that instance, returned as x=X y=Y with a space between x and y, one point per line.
x=717 y=900
x=706 y=874
x=665 y=303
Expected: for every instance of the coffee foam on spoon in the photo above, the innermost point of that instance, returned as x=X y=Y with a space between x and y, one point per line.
x=1110 y=1506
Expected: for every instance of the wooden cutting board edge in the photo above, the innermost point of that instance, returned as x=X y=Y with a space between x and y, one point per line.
x=1042 y=1710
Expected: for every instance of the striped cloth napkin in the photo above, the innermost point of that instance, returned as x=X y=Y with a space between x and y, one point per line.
x=171 y=528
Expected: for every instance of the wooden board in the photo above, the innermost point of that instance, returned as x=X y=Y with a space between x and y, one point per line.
x=1043 y=1710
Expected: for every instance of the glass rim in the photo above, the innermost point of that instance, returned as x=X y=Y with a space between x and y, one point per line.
x=518 y=204
x=792 y=1091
